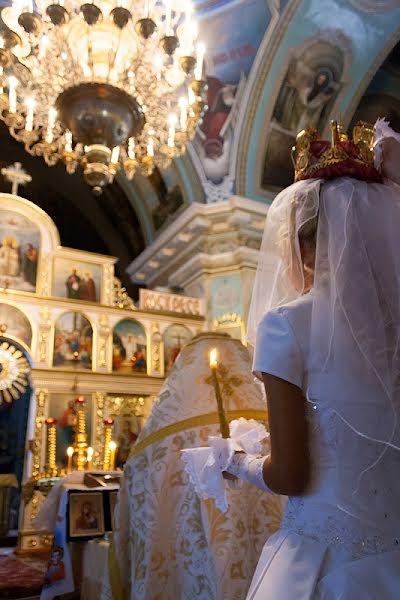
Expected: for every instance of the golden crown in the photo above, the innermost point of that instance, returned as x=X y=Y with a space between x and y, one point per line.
x=316 y=158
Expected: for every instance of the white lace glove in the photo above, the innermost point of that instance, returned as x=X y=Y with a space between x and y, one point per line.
x=248 y=467
x=205 y=466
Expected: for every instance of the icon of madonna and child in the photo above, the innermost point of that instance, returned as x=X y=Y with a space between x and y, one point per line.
x=19 y=252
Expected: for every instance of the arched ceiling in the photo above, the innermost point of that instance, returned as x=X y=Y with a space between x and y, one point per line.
x=321 y=61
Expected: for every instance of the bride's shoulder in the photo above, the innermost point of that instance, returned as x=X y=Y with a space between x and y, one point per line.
x=299 y=308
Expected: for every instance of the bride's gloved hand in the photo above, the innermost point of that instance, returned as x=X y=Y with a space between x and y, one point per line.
x=248 y=467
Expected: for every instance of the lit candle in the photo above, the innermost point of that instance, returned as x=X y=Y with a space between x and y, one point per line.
x=201 y=50
x=223 y=423
x=131 y=148
x=29 y=6
x=89 y=457
x=172 y=120
x=168 y=18
x=183 y=105
x=113 y=448
x=146 y=8
x=1 y=42
x=192 y=96
x=12 y=94
x=50 y=124
x=213 y=359
x=158 y=64
x=70 y=453
x=150 y=146
x=68 y=141
x=30 y=104
x=190 y=30
x=115 y=155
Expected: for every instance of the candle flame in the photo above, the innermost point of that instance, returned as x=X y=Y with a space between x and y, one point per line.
x=213 y=358
x=112 y=446
x=89 y=452
x=70 y=451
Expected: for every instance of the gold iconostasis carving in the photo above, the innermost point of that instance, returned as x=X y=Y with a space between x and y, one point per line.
x=79 y=335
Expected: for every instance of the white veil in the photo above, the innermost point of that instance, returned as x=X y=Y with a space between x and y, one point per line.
x=354 y=362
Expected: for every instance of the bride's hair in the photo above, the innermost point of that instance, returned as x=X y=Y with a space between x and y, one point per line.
x=308 y=242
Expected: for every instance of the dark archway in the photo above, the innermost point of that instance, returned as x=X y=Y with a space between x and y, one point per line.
x=107 y=224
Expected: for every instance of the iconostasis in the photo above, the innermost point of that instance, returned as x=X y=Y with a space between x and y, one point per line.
x=73 y=347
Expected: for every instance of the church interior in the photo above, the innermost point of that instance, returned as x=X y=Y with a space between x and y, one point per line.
x=141 y=145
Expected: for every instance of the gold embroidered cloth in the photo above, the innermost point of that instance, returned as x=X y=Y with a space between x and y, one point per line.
x=168 y=544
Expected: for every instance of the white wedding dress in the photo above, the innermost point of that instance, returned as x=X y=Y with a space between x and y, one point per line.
x=322 y=552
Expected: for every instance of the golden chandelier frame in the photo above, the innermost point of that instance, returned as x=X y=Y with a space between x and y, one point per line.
x=104 y=85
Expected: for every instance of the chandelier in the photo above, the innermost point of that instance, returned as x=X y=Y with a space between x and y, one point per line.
x=106 y=85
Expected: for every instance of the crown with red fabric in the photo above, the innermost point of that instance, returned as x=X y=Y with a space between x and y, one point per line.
x=314 y=158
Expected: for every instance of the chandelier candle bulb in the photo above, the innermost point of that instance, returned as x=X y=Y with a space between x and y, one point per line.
x=113 y=448
x=115 y=155
x=201 y=50
x=150 y=147
x=70 y=453
x=68 y=141
x=12 y=94
x=191 y=96
x=50 y=125
x=172 y=120
x=131 y=148
x=223 y=422
x=30 y=104
x=183 y=104
x=168 y=18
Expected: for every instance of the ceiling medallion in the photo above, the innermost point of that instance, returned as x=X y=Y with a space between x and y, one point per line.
x=104 y=85
x=14 y=373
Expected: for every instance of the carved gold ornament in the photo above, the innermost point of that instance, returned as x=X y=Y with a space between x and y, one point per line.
x=14 y=373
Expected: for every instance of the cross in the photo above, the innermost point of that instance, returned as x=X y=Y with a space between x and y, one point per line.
x=179 y=339
x=16 y=175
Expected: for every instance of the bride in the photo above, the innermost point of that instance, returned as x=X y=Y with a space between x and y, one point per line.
x=326 y=310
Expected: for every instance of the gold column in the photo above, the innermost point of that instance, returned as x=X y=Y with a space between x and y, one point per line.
x=80 y=434
x=108 y=427
x=51 y=447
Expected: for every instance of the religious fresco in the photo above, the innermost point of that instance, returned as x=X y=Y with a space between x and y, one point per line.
x=226 y=294
x=62 y=408
x=169 y=196
x=231 y=36
x=73 y=339
x=19 y=251
x=311 y=84
x=16 y=323
x=175 y=337
x=76 y=280
x=129 y=347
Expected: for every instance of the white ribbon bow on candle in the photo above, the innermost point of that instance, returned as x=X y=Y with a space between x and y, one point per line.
x=204 y=466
